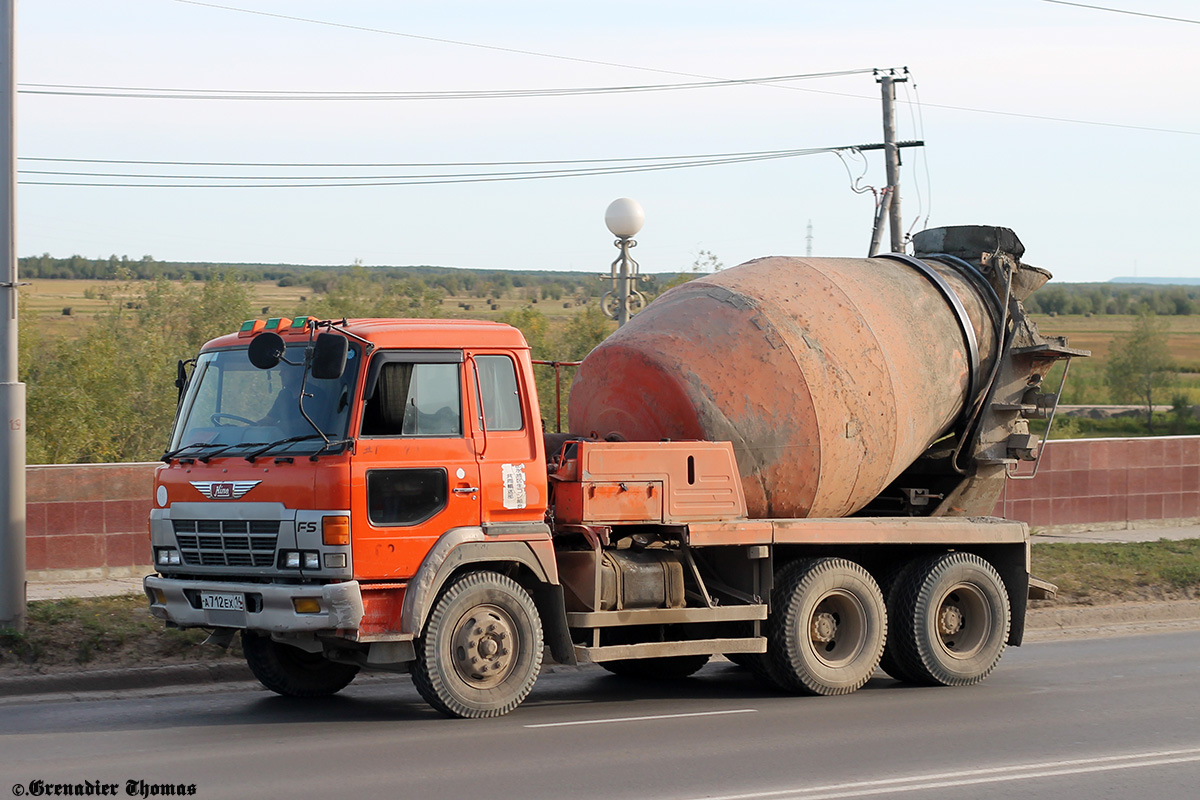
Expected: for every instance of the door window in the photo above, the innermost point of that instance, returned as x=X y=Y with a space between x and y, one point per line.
x=415 y=400
x=498 y=389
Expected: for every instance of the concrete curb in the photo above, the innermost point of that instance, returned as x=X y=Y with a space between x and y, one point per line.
x=1042 y=625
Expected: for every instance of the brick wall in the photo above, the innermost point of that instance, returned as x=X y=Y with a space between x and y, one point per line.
x=87 y=520
x=1109 y=483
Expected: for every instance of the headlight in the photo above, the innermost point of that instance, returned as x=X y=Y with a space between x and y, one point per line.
x=299 y=559
x=167 y=557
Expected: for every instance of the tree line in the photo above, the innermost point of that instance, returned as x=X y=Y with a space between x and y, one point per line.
x=1115 y=298
x=452 y=281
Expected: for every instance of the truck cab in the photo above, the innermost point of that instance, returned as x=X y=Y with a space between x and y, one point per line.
x=298 y=504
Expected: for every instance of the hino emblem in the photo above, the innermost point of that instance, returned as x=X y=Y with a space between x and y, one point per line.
x=224 y=490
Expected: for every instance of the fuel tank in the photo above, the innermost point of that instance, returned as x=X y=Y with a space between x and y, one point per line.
x=830 y=376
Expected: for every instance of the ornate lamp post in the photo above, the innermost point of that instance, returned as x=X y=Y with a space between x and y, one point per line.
x=624 y=219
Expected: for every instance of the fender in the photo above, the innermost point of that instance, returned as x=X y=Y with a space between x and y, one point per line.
x=470 y=545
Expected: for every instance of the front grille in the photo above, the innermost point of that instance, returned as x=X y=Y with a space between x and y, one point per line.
x=227 y=542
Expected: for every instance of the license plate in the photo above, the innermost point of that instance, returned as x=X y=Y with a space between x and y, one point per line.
x=218 y=601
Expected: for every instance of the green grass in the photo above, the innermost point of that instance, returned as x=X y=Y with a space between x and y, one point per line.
x=1134 y=571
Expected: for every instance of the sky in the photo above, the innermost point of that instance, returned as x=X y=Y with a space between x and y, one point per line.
x=991 y=88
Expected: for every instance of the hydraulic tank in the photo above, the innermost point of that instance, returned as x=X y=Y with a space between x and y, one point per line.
x=830 y=376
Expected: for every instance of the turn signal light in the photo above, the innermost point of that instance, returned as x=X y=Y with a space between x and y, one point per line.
x=306 y=605
x=335 y=531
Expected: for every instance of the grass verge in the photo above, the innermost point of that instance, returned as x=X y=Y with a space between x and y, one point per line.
x=100 y=632
x=1100 y=573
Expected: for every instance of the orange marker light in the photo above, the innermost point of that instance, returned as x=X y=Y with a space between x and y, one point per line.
x=335 y=530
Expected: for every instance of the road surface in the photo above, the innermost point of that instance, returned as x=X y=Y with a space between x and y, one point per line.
x=1115 y=717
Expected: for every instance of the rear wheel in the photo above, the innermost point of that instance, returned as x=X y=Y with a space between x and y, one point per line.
x=293 y=672
x=667 y=668
x=889 y=584
x=830 y=628
x=951 y=620
x=482 y=648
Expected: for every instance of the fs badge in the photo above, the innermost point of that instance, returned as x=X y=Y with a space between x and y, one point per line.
x=224 y=490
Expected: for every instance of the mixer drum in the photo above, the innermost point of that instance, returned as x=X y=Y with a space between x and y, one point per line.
x=830 y=376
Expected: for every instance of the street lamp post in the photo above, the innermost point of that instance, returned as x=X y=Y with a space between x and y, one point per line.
x=624 y=219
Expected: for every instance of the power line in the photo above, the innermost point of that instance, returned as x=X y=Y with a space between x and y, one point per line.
x=424 y=164
x=343 y=181
x=1123 y=11
x=72 y=90
x=460 y=43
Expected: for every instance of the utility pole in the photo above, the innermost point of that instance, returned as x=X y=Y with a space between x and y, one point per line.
x=12 y=392
x=808 y=241
x=891 y=152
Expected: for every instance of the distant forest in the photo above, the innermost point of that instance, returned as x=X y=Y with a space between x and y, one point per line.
x=1057 y=298
x=453 y=281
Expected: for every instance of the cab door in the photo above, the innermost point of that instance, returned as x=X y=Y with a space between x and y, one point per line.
x=508 y=434
x=414 y=470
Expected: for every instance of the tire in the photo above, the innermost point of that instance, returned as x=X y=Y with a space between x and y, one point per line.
x=293 y=672
x=831 y=627
x=482 y=648
x=950 y=622
x=895 y=578
x=664 y=668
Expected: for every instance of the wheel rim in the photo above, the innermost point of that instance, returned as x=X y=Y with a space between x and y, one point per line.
x=482 y=646
x=837 y=631
x=963 y=620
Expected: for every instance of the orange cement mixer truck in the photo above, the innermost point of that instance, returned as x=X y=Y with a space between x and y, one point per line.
x=790 y=463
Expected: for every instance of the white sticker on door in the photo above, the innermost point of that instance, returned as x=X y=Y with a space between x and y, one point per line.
x=514 y=485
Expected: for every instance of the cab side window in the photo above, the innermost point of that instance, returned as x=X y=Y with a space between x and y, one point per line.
x=415 y=400
x=499 y=394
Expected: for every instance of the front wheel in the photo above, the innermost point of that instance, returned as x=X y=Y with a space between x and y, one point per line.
x=950 y=621
x=293 y=672
x=482 y=648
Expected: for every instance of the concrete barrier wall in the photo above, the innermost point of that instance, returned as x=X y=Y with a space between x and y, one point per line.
x=89 y=520
x=1109 y=483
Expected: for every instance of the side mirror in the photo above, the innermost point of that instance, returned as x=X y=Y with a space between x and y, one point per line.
x=266 y=350
x=181 y=376
x=329 y=356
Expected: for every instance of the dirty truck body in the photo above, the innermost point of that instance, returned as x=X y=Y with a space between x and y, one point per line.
x=790 y=464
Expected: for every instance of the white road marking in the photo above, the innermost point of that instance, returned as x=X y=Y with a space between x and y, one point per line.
x=949 y=780
x=641 y=719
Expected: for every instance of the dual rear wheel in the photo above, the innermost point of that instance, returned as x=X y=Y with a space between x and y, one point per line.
x=944 y=620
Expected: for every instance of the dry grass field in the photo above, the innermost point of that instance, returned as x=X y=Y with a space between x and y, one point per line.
x=47 y=301
x=1096 y=332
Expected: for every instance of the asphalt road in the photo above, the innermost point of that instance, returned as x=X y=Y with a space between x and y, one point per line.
x=1114 y=717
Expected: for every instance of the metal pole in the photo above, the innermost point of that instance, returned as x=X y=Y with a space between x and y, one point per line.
x=12 y=392
x=891 y=153
x=885 y=203
x=623 y=284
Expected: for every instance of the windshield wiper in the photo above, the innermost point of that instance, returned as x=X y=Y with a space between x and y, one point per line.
x=167 y=456
x=302 y=438
x=210 y=456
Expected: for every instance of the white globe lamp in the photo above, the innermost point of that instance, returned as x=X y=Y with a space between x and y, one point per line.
x=624 y=217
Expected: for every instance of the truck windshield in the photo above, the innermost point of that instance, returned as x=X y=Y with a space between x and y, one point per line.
x=233 y=408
